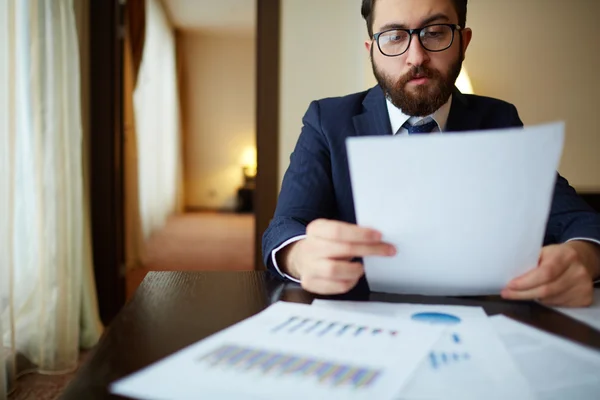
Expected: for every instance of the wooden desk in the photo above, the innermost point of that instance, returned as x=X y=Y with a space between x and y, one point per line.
x=172 y=310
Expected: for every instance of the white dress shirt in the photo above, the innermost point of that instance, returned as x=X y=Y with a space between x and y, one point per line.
x=397 y=119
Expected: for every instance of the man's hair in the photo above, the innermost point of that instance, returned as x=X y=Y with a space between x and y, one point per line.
x=368 y=6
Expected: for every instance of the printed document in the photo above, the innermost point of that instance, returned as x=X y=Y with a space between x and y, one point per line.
x=467 y=211
x=468 y=362
x=555 y=368
x=293 y=351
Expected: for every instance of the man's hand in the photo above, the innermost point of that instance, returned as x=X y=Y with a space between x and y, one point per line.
x=322 y=261
x=564 y=276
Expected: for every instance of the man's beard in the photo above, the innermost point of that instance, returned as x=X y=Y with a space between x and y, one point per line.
x=425 y=99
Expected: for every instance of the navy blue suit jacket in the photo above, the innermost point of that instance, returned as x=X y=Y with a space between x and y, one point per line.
x=317 y=182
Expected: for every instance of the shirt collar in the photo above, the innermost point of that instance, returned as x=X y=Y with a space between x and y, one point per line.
x=398 y=118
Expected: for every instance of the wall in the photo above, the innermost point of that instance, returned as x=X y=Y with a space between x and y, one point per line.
x=540 y=55
x=322 y=55
x=218 y=106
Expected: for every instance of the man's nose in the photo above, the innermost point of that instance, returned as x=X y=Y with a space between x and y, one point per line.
x=416 y=53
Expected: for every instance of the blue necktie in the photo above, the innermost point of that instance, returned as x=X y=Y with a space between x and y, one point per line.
x=420 y=129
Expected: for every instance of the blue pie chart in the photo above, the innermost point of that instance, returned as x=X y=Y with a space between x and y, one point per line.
x=436 y=318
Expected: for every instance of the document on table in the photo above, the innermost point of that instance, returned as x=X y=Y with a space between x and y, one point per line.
x=295 y=351
x=588 y=315
x=556 y=368
x=467 y=212
x=468 y=362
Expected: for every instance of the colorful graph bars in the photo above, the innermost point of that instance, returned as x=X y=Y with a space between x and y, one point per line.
x=266 y=363
x=308 y=326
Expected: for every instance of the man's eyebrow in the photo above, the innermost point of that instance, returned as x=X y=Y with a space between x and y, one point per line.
x=434 y=18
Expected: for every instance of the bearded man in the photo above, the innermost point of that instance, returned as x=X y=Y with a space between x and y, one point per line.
x=417 y=48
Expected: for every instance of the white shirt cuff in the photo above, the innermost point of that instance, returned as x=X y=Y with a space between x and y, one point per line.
x=588 y=240
x=274 y=259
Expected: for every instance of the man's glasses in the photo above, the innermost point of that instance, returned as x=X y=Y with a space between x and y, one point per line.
x=437 y=37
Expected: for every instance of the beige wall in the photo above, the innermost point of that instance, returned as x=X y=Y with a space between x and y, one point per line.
x=218 y=92
x=541 y=55
x=321 y=56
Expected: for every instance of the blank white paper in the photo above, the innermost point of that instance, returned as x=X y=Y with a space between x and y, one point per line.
x=293 y=351
x=556 y=368
x=467 y=212
x=588 y=315
x=468 y=362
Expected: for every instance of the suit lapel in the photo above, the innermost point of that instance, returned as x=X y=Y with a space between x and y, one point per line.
x=375 y=119
x=462 y=117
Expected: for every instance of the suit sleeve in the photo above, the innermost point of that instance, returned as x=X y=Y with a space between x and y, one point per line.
x=307 y=191
x=571 y=218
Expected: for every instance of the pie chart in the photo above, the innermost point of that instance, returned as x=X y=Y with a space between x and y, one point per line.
x=436 y=318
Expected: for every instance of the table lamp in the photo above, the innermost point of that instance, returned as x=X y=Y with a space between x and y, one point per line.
x=248 y=162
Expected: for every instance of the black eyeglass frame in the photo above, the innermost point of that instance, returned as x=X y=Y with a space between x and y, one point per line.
x=417 y=31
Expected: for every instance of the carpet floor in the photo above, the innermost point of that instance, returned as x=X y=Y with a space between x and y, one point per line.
x=198 y=242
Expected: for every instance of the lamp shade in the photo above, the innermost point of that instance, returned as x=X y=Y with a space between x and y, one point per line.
x=248 y=157
x=248 y=160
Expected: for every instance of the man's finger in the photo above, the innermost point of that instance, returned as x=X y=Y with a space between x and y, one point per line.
x=342 y=232
x=327 y=286
x=348 y=250
x=338 y=270
x=556 y=287
x=550 y=289
x=549 y=269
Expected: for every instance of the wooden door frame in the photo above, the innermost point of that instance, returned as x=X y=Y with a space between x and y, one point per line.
x=106 y=141
x=106 y=153
x=268 y=15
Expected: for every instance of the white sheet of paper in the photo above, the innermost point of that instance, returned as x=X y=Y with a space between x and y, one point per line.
x=291 y=350
x=468 y=362
x=467 y=212
x=588 y=315
x=556 y=368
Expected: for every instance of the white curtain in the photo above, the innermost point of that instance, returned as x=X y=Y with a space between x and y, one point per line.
x=46 y=285
x=157 y=121
x=7 y=345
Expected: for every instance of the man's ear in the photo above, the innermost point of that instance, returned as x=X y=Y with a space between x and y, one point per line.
x=368 y=45
x=467 y=35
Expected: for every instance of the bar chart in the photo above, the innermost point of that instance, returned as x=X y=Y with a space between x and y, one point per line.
x=265 y=363
x=438 y=360
x=308 y=326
